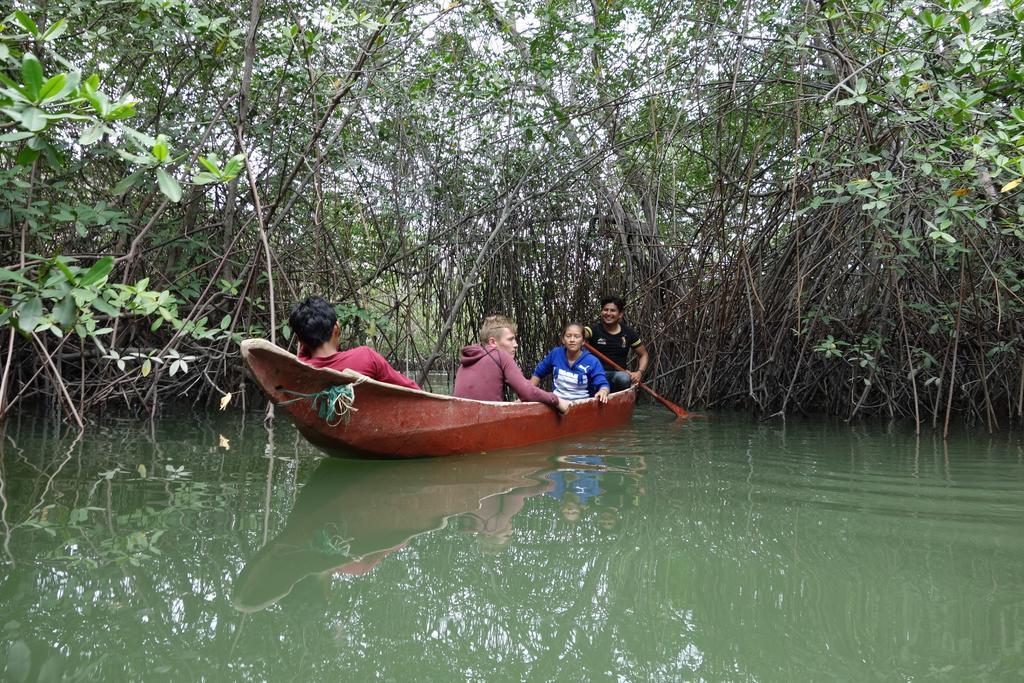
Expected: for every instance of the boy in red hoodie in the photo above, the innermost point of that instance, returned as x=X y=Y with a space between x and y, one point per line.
x=316 y=325
x=488 y=366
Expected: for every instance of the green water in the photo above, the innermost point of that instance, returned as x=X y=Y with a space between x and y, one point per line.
x=718 y=550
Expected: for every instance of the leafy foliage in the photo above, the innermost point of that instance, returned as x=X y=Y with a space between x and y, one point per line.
x=755 y=179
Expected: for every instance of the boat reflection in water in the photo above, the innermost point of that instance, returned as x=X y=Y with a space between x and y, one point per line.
x=354 y=513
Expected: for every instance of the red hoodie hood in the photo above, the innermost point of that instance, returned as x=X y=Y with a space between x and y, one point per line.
x=471 y=354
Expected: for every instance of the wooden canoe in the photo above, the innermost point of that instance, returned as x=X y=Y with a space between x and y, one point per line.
x=388 y=421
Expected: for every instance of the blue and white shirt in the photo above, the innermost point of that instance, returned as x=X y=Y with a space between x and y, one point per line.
x=582 y=379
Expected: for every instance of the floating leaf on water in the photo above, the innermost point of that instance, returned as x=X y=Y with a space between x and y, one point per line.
x=222 y=442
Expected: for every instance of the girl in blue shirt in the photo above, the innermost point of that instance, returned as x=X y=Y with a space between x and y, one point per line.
x=576 y=373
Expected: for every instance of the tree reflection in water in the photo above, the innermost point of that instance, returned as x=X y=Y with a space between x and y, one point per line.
x=710 y=551
x=129 y=554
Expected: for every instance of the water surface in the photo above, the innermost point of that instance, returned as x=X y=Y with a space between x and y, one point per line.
x=718 y=549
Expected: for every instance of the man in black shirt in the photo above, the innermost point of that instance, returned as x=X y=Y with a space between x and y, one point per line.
x=614 y=338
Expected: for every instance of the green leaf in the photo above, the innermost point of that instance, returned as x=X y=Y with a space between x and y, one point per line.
x=210 y=164
x=204 y=178
x=99 y=270
x=940 y=235
x=142 y=138
x=33 y=119
x=63 y=268
x=17 y=277
x=52 y=87
x=973 y=99
x=92 y=134
x=233 y=167
x=14 y=114
x=26 y=157
x=128 y=183
x=168 y=185
x=103 y=306
x=135 y=158
x=69 y=85
x=26 y=22
x=121 y=111
x=55 y=30
x=65 y=312
x=16 y=136
x=160 y=150
x=100 y=103
x=29 y=314
x=32 y=72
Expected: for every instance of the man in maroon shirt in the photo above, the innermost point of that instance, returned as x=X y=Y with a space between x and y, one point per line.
x=488 y=366
x=316 y=326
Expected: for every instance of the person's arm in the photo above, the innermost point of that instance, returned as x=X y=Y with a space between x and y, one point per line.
x=543 y=369
x=599 y=380
x=526 y=390
x=642 y=358
x=386 y=373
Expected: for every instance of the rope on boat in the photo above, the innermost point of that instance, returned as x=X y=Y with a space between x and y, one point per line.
x=333 y=405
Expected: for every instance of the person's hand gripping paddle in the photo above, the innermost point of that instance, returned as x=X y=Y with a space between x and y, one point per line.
x=680 y=412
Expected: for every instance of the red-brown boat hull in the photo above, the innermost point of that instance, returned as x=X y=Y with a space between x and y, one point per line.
x=395 y=422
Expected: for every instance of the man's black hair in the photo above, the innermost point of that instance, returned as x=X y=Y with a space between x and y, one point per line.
x=619 y=303
x=312 y=321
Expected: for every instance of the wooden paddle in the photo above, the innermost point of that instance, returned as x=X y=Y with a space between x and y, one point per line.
x=658 y=397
